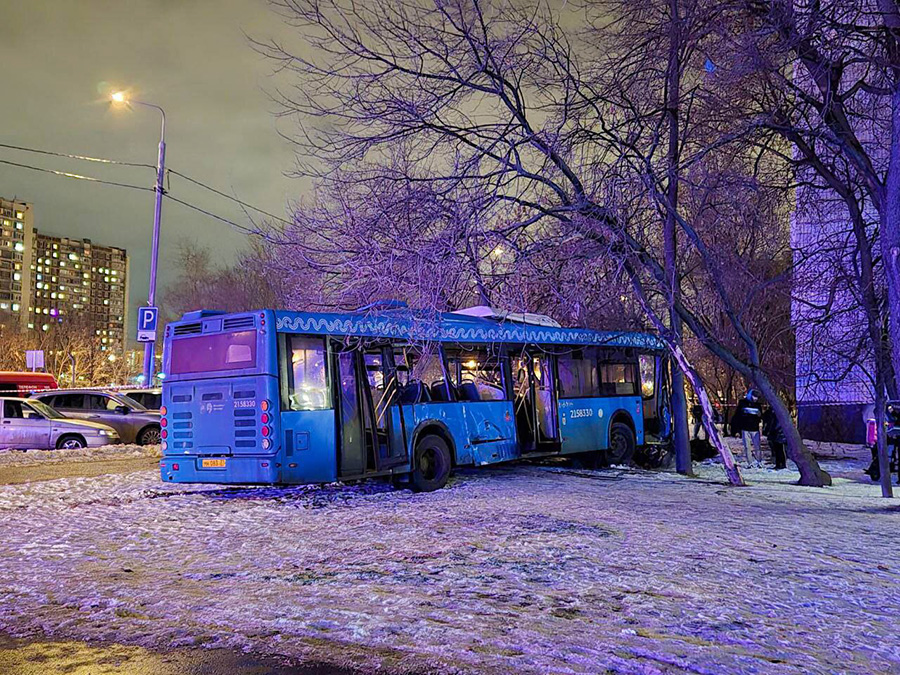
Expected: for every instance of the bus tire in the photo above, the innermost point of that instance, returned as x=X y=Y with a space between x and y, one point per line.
x=622 y=444
x=432 y=464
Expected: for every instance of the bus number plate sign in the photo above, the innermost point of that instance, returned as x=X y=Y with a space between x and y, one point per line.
x=213 y=463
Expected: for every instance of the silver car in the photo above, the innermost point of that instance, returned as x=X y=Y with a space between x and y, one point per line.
x=133 y=421
x=27 y=424
x=151 y=399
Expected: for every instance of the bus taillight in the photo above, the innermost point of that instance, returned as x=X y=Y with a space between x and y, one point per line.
x=264 y=405
x=266 y=444
x=264 y=418
x=163 y=410
x=164 y=433
x=164 y=422
x=266 y=431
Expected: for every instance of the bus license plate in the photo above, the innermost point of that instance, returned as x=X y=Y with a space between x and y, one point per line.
x=213 y=463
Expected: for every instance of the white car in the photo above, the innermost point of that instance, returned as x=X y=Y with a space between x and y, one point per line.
x=27 y=424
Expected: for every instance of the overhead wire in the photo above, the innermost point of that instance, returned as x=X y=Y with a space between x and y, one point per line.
x=227 y=196
x=76 y=176
x=102 y=160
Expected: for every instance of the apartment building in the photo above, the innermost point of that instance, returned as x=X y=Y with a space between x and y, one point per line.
x=47 y=279
x=16 y=242
x=77 y=279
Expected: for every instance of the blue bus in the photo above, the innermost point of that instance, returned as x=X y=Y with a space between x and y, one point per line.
x=282 y=397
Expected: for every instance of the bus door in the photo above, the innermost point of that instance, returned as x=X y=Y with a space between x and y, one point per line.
x=384 y=420
x=354 y=442
x=654 y=379
x=535 y=401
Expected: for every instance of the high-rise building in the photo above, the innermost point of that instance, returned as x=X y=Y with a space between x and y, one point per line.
x=77 y=280
x=16 y=240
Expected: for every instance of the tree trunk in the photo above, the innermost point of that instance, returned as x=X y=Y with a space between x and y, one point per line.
x=681 y=436
x=884 y=461
x=890 y=231
x=810 y=472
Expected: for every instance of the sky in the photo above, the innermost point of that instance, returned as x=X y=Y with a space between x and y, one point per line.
x=60 y=60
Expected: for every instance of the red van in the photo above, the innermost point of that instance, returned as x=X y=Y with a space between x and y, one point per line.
x=22 y=384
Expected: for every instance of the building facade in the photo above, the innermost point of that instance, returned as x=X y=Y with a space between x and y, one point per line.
x=16 y=244
x=77 y=280
x=47 y=279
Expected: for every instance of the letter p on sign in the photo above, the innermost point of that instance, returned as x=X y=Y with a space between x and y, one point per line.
x=146 y=328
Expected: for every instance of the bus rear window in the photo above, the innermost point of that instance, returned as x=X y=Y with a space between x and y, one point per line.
x=211 y=353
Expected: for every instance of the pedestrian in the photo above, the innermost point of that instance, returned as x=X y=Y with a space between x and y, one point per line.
x=746 y=422
x=697 y=414
x=776 y=437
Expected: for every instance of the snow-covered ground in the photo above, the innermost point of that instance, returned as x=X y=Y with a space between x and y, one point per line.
x=525 y=569
x=124 y=450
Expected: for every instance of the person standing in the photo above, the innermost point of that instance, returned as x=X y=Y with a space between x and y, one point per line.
x=776 y=437
x=746 y=420
x=697 y=414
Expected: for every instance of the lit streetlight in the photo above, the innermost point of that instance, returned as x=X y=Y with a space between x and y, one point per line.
x=149 y=347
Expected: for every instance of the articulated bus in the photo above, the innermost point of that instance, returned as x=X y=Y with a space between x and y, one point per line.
x=281 y=397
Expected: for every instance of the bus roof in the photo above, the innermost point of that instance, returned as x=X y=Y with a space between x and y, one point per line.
x=454 y=327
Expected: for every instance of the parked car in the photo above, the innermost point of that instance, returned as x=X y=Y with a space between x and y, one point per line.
x=23 y=384
x=28 y=424
x=151 y=399
x=134 y=423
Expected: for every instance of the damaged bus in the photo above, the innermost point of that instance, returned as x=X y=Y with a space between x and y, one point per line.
x=282 y=397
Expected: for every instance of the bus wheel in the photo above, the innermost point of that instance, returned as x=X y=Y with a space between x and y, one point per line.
x=622 y=444
x=432 y=464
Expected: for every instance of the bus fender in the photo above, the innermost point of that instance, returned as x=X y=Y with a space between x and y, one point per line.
x=433 y=426
x=623 y=416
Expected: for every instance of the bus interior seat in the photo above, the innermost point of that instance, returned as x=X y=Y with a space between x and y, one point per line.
x=438 y=392
x=467 y=391
x=415 y=392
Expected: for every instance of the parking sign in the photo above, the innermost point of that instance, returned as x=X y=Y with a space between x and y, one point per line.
x=146 y=328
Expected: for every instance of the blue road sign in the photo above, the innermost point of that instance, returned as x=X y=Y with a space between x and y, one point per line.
x=146 y=328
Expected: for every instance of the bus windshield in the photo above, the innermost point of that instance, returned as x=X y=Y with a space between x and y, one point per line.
x=212 y=353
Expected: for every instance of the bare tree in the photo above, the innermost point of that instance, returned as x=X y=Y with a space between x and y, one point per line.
x=828 y=81
x=495 y=101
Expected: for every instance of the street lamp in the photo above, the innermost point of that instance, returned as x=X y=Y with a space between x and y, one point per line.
x=150 y=347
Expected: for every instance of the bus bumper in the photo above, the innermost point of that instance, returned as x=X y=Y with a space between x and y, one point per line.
x=228 y=470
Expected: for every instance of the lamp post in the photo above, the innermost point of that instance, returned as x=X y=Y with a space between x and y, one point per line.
x=150 y=347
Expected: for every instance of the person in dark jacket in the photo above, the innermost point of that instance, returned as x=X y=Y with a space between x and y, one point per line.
x=775 y=435
x=746 y=421
x=697 y=414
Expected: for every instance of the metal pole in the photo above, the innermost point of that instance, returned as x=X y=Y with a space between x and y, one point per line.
x=150 y=347
x=72 y=359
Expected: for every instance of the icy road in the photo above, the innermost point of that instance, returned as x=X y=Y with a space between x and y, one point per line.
x=525 y=569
